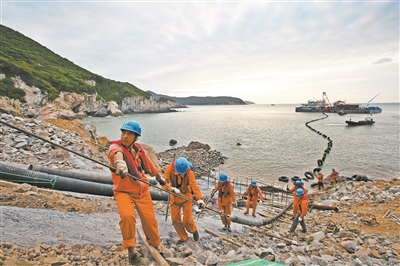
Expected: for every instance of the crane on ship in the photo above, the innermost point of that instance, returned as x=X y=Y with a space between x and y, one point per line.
x=325 y=102
x=372 y=99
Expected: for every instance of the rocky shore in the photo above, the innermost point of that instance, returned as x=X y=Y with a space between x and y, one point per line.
x=47 y=227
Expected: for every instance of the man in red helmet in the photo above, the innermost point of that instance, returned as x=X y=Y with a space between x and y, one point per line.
x=226 y=195
x=180 y=179
x=130 y=160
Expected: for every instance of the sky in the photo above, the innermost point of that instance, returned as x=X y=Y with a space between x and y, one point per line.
x=260 y=51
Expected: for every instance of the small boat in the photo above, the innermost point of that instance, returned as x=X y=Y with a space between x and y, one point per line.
x=367 y=121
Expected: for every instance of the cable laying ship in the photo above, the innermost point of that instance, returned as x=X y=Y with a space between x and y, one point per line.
x=324 y=106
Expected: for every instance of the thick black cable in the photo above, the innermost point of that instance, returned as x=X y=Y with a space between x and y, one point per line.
x=111 y=168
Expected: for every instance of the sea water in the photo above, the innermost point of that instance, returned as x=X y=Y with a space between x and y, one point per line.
x=274 y=140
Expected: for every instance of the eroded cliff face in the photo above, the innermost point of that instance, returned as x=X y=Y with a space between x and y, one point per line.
x=137 y=105
x=71 y=106
x=10 y=106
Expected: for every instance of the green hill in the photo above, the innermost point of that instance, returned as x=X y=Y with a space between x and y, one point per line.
x=38 y=66
x=196 y=100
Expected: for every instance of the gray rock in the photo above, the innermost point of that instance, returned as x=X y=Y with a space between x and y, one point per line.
x=349 y=245
x=356 y=262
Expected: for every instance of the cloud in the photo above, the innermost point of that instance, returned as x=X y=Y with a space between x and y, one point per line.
x=269 y=51
x=382 y=61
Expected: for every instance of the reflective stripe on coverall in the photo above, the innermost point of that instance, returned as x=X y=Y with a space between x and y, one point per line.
x=130 y=193
x=181 y=206
x=226 y=195
x=253 y=193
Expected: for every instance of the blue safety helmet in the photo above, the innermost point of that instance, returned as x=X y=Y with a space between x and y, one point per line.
x=190 y=165
x=181 y=165
x=298 y=183
x=254 y=183
x=223 y=178
x=299 y=191
x=132 y=126
x=333 y=169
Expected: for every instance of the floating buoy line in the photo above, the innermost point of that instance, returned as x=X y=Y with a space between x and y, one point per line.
x=320 y=162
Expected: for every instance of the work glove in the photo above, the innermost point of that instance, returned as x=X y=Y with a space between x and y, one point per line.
x=121 y=168
x=160 y=181
x=200 y=204
x=259 y=201
x=175 y=190
x=300 y=219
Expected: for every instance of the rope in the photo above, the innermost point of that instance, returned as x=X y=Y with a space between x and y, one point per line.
x=105 y=165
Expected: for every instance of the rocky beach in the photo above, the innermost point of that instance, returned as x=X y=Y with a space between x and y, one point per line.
x=47 y=227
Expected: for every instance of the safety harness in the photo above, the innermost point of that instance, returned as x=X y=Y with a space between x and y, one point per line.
x=179 y=182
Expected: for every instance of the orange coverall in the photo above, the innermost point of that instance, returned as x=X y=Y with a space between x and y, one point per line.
x=301 y=211
x=297 y=198
x=226 y=195
x=334 y=175
x=188 y=186
x=320 y=178
x=253 y=193
x=130 y=193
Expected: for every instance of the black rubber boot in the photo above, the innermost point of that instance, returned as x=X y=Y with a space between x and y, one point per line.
x=196 y=236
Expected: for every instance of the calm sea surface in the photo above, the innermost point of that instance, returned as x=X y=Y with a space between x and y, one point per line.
x=274 y=139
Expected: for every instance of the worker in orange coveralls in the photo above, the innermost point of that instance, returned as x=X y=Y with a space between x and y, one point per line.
x=226 y=195
x=130 y=160
x=320 y=178
x=180 y=179
x=334 y=175
x=297 y=184
x=254 y=195
x=301 y=211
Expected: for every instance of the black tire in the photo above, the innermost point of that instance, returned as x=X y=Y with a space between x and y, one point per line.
x=320 y=163
x=295 y=178
x=284 y=179
x=309 y=175
x=361 y=178
x=316 y=169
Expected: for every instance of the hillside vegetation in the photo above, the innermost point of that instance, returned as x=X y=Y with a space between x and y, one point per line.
x=197 y=100
x=40 y=67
